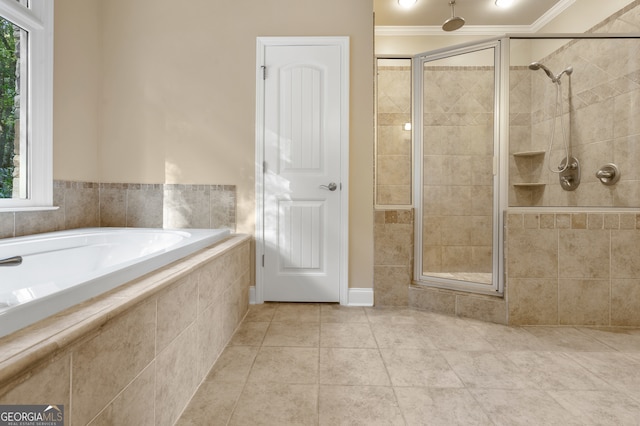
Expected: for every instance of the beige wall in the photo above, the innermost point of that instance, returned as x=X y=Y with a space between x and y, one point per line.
x=77 y=74
x=152 y=91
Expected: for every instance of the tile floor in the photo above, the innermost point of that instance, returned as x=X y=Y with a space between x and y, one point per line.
x=322 y=364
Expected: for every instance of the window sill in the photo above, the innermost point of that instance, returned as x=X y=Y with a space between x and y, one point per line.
x=27 y=209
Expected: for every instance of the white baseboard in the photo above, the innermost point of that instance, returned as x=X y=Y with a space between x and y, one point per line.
x=360 y=297
x=357 y=296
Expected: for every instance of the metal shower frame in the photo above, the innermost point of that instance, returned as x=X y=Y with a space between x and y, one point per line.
x=501 y=44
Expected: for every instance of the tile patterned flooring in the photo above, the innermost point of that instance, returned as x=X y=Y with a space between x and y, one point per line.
x=323 y=364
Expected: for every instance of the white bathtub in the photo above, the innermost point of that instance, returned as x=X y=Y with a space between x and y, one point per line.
x=62 y=269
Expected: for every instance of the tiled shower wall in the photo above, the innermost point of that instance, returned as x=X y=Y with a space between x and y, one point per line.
x=573 y=268
x=578 y=267
x=393 y=256
x=523 y=169
x=393 y=142
x=393 y=272
x=458 y=168
x=90 y=204
x=601 y=110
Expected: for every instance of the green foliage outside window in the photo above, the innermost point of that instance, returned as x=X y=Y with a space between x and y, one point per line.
x=8 y=94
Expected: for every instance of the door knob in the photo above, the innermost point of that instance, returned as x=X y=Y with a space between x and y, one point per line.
x=331 y=187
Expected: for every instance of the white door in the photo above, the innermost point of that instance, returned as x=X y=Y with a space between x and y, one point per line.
x=303 y=133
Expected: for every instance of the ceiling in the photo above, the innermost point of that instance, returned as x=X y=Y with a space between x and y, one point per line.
x=477 y=13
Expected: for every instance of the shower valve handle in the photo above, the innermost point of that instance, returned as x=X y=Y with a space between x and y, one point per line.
x=609 y=174
x=572 y=166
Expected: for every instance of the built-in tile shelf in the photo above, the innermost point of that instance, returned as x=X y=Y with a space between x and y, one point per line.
x=528 y=153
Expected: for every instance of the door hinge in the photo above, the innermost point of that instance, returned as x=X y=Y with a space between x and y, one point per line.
x=263 y=260
x=264 y=72
x=264 y=167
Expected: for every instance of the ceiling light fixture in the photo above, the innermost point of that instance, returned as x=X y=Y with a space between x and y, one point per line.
x=407 y=3
x=504 y=3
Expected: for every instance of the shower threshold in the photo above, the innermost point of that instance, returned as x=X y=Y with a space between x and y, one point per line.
x=475 y=277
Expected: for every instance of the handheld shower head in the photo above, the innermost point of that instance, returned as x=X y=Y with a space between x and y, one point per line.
x=566 y=71
x=555 y=79
x=537 y=65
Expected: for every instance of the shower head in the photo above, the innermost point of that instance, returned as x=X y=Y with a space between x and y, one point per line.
x=455 y=22
x=566 y=71
x=537 y=65
x=554 y=78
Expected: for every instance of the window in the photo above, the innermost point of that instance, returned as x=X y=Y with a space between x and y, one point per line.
x=26 y=99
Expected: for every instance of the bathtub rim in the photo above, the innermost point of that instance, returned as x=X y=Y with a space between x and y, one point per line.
x=101 y=280
x=26 y=348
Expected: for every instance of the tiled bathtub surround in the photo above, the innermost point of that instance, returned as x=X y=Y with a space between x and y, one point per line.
x=137 y=354
x=126 y=204
x=88 y=204
x=168 y=206
x=78 y=207
x=578 y=268
x=200 y=206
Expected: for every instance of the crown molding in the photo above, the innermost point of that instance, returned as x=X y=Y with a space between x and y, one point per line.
x=485 y=30
x=434 y=30
x=551 y=14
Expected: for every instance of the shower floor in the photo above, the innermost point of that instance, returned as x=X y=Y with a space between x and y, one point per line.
x=475 y=277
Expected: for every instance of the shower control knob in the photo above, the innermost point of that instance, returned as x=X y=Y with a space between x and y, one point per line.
x=572 y=166
x=569 y=173
x=608 y=174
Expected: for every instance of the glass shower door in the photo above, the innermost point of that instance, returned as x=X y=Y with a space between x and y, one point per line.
x=456 y=169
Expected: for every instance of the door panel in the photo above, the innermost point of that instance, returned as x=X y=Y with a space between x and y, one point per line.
x=302 y=134
x=300 y=139
x=457 y=185
x=300 y=242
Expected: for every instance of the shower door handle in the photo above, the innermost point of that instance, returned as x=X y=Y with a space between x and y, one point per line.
x=331 y=187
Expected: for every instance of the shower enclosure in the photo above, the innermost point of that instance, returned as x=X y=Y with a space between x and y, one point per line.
x=456 y=185
x=483 y=116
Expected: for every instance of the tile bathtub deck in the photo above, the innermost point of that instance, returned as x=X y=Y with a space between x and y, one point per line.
x=322 y=364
